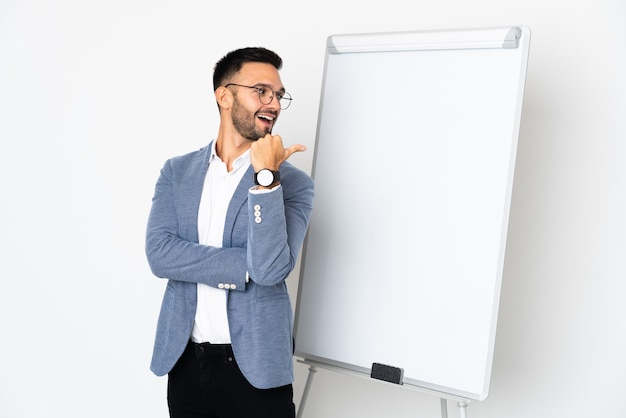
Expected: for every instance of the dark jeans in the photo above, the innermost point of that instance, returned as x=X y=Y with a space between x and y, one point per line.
x=207 y=383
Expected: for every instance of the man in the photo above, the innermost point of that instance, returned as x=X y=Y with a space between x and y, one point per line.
x=226 y=226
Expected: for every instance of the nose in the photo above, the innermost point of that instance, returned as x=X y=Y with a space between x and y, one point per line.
x=274 y=102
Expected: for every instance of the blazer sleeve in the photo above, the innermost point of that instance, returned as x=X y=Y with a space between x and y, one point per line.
x=277 y=226
x=172 y=246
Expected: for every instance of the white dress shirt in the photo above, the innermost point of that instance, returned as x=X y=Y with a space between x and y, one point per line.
x=211 y=322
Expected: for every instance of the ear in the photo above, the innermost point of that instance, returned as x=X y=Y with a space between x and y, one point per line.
x=224 y=97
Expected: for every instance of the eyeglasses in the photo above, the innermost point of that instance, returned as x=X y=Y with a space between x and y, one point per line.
x=266 y=95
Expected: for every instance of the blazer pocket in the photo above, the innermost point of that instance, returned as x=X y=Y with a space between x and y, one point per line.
x=272 y=293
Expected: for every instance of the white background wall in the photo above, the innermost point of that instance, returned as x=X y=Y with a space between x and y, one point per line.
x=94 y=96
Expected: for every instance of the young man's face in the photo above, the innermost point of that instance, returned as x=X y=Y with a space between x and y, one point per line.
x=250 y=117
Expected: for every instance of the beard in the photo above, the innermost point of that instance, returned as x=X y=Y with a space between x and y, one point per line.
x=244 y=122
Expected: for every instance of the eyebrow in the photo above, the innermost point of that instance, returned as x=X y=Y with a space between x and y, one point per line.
x=281 y=90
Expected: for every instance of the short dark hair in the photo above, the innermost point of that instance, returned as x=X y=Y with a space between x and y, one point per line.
x=234 y=60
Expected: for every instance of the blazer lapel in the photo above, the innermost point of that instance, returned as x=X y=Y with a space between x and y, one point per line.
x=240 y=198
x=191 y=192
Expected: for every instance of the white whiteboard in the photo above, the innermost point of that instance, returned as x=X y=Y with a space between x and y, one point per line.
x=414 y=162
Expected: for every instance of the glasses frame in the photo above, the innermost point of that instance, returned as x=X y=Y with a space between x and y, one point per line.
x=280 y=96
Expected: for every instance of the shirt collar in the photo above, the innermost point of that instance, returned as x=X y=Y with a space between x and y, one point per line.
x=243 y=159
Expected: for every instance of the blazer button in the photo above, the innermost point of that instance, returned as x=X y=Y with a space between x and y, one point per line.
x=257 y=219
x=233 y=286
x=257 y=207
x=220 y=285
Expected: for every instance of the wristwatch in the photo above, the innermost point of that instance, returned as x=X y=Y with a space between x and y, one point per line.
x=266 y=177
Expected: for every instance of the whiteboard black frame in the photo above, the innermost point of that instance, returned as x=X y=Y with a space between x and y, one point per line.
x=433 y=45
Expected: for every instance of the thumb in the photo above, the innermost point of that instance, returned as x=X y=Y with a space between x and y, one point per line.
x=293 y=149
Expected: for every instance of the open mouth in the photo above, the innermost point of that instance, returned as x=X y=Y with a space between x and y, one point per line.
x=266 y=119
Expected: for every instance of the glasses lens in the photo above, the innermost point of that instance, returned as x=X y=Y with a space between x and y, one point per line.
x=265 y=95
x=285 y=100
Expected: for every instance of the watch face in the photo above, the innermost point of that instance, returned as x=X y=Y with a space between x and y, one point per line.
x=265 y=177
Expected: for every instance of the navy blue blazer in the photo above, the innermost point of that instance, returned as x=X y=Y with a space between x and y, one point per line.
x=266 y=246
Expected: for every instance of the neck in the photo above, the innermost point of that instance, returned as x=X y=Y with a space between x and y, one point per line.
x=230 y=145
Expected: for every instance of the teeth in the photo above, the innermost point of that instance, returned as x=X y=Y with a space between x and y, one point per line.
x=266 y=117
